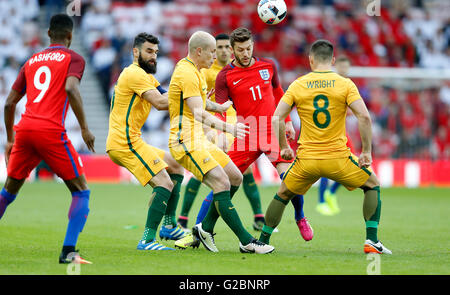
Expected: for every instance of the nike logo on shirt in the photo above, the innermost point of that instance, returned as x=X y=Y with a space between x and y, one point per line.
x=235 y=82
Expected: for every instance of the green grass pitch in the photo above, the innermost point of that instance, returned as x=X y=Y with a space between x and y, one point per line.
x=414 y=225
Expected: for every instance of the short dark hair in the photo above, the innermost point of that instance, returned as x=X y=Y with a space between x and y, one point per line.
x=60 y=25
x=144 y=37
x=222 y=36
x=240 y=35
x=322 y=50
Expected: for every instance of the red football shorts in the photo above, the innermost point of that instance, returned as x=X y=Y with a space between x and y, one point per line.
x=32 y=147
x=245 y=151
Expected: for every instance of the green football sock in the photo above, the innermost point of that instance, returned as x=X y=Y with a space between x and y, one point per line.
x=372 y=212
x=210 y=219
x=233 y=190
x=223 y=205
x=266 y=232
x=169 y=216
x=190 y=193
x=212 y=215
x=252 y=193
x=273 y=217
x=158 y=204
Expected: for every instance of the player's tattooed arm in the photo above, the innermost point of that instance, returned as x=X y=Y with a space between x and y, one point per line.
x=9 y=110
x=216 y=107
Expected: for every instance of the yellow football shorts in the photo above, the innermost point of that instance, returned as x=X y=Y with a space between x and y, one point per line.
x=142 y=160
x=303 y=173
x=201 y=160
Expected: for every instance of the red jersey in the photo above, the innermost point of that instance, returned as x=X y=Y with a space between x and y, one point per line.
x=255 y=91
x=43 y=78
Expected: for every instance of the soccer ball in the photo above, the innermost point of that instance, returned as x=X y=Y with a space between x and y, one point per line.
x=272 y=11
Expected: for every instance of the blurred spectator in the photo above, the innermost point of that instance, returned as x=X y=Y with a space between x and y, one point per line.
x=52 y=7
x=102 y=62
x=431 y=57
x=444 y=93
x=442 y=143
x=19 y=38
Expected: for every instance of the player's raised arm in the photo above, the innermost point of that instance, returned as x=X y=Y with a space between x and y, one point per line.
x=195 y=103
x=73 y=92
x=359 y=109
x=278 y=124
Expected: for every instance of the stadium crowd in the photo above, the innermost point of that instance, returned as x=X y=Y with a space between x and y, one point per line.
x=408 y=122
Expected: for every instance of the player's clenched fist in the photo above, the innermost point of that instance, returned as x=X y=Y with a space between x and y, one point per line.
x=290 y=131
x=287 y=153
x=365 y=160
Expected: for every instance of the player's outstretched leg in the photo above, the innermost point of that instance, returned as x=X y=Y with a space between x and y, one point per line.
x=303 y=225
x=191 y=240
x=6 y=198
x=322 y=206
x=252 y=194
x=372 y=213
x=190 y=193
x=162 y=190
x=217 y=179
x=170 y=230
x=205 y=207
x=275 y=211
x=78 y=213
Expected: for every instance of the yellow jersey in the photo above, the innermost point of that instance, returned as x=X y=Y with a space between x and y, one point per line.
x=129 y=110
x=210 y=77
x=186 y=81
x=321 y=99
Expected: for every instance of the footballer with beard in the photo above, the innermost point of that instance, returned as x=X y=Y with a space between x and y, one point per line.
x=135 y=93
